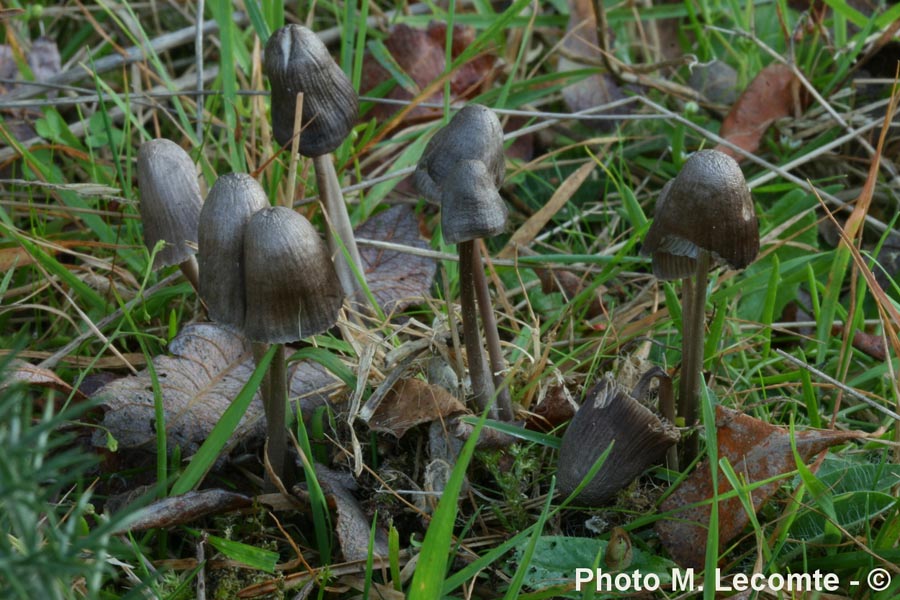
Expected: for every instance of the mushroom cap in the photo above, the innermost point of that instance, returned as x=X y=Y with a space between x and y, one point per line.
x=610 y=414
x=296 y=61
x=170 y=200
x=474 y=133
x=708 y=206
x=292 y=289
x=471 y=208
x=229 y=205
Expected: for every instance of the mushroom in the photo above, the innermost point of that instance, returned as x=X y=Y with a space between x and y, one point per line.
x=296 y=61
x=170 y=204
x=292 y=292
x=703 y=217
x=462 y=168
x=610 y=415
x=229 y=205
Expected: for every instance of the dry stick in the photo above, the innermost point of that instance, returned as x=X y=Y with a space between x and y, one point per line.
x=52 y=360
x=482 y=387
x=288 y=199
x=341 y=235
x=198 y=51
x=491 y=338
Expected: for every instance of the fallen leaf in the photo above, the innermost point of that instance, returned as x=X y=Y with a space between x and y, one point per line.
x=44 y=62
x=756 y=450
x=177 y=510
x=352 y=526
x=208 y=367
x=552 y=410
x=593 y=90
x=396 y=279
x=19 y=371
x=774 y=93
x=417 y=58
x=412 y=402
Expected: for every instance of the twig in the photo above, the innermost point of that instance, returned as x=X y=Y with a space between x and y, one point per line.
x=837 y=384
x=198 y=52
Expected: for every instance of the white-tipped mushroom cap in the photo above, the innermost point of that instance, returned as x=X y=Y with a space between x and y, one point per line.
x=170 y=200
x=296 y=61
x=474 y=133
x=708 y=206
x=229 y=205
x=292 y=289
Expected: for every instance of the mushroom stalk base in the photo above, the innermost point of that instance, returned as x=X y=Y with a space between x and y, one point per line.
x=492 y=338
x=482 y=387
x=191 y=272
x=340 y=233
x=275 y=404
x=693 y=327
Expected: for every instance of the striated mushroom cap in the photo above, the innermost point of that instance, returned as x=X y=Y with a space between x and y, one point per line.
x=471 y=208
x=229 y=205
x=474 y=133
x=292 y=289
x=708 y=206
x=296 y=61
x=170 y=200
x=610 y=414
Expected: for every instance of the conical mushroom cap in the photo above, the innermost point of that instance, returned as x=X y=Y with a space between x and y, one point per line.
x=229 y=205
x=474 y=133
x=170 y=200
x=471 y=208
x=610 y=414
x=708 y=206
x=292 y=288
x=296 y=61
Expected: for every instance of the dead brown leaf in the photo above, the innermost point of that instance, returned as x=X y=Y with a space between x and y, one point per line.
x=758 y=451
x=208 y=367
x=352 y=526
x=774 y=93
x=412 y=402
x=396 y=279
x=581 y=41
x=20 y=371
x=419 y=53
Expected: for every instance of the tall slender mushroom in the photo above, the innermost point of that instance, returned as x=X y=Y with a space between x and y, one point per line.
x=296 y=61
x=704 y=216
x=462 y=168
x=229 y=205
x=170 y=204
x=292 y=292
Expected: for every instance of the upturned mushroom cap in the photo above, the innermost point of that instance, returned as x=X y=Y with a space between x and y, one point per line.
x=170 y=200
x=296 y=61
x=708 y=206
x=474 y=133
x=610 y=414
x=229 y=205
x=292 y=288
x=471 y=208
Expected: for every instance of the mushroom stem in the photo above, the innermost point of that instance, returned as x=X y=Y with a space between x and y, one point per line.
x=482 y=387
x=693 y=326
x=275 y=397
x=191 y=272
x=492 y=338
x=340 y=233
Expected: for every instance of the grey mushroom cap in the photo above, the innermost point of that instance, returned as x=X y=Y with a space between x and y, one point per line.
x=608 y=415
x=296 y=61
x=471 y=208
x=170 y=200
x=474 y=133
x=707 y=206
x=292 y=289
x=229 y=205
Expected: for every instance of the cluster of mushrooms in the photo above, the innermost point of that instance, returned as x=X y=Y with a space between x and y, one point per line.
x=265 y=272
